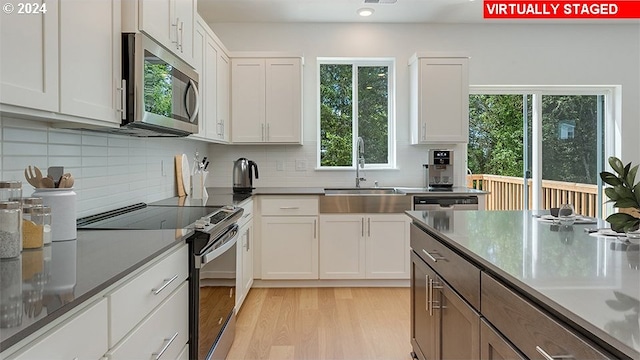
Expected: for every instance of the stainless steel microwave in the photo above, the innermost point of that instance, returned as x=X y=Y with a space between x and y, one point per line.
x=160 y=90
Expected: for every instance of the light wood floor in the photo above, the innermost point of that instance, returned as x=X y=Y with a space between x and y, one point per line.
x=324 y=323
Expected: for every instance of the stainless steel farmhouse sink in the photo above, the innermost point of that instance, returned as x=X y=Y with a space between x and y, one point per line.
x=362 y=191
x=364 y=200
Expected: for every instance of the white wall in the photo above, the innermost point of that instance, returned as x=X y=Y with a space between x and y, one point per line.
x=501 y=54
x=110 y=171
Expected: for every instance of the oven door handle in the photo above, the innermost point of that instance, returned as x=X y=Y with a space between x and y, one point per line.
x=229 y=239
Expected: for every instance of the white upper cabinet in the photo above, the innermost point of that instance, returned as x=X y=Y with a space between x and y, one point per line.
x=90 y=59
x=169 y=22
x=212 y=65
x=66 y=61
x=223 y=67
x=29 y=66
x=199 y=35
x=439 y=99
x=266 y=100
x=247 y=100
x=283 y=79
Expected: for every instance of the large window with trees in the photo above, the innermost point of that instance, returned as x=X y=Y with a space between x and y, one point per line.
x=552 y=139
x=356 y=100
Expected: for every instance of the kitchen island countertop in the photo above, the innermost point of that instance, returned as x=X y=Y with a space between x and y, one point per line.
x=592 y=283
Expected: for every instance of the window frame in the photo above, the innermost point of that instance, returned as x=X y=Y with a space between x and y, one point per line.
x=391 y=105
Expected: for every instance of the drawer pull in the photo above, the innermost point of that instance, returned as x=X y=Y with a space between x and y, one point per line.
x=549 y=357
x=165 y=347
x=289 y=207
x=434 y=259
x=166 y=283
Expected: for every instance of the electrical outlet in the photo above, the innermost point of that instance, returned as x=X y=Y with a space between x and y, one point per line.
x=301 y=165
x=279 y=165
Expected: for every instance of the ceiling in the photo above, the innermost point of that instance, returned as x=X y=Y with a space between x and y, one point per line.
x=403 y=11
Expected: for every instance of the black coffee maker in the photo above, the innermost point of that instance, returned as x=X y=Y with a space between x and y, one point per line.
x=243 y=175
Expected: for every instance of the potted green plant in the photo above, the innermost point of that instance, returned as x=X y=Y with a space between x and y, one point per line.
x=625 y=195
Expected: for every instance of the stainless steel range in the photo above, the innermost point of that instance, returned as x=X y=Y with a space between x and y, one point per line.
x=212 y=252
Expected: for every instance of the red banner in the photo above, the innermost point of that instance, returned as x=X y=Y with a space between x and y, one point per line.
x=518 y=9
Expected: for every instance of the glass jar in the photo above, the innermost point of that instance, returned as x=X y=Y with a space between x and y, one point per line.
x=10 y=229
x=43 y=217
x=31 y=201
x=33 y=226
x=10 y=190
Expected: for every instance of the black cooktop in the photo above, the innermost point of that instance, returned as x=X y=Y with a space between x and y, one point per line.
x=144 y=217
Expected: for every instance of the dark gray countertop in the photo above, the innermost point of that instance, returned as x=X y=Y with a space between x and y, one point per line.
x=62 y=275
x=225 y=196
x=591 y=282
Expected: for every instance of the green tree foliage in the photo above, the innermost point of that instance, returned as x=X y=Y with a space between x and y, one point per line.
x=158 y=94
x=373 y=117
x=336 y=108
x=569 y=135
x=336 y=113
x=495 y=135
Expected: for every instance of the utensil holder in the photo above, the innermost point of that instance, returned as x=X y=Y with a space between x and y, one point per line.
x=63 y=211
x=199 y=190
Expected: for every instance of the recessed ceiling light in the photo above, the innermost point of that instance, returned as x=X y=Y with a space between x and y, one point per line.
x=365 y=12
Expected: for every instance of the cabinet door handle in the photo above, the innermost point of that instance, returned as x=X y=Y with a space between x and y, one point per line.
x=362 y=221
x=181 y=36
x=369 y=227
x=165 y=347
x=314 y=228
x=289 y=207
x=267 y=131
x=166 y=283
x=433 y=285
x=424 y=131
x=428 y=294
x=430 y=302
x=262 y=125
x=248 y=239
x=549 y=357
x=177 y=30
x=123 y=99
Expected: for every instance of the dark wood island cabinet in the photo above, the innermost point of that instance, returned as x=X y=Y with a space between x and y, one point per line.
x=466 y=303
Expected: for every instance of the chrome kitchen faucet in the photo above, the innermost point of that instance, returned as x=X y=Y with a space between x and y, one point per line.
x=360 y=146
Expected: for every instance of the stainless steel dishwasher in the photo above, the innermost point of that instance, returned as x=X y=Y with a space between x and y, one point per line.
x=445 y=202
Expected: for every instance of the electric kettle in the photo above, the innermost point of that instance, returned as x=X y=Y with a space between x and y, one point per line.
x=243 y=175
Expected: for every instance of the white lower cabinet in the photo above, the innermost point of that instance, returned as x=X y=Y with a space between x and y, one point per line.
x=342 y=247
x=289 y=237
x=244 y=276
x=161 y=335
x=289 y=247
x=131 y=302
x=184 y=354
x=364 y=246
x=83 y=336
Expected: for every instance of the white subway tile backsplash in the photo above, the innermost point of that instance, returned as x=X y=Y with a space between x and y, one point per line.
x=65 y=150
x=21 y=149
x=110 y=171
x=94 y=140
x=24 y=135
x=64 y=137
